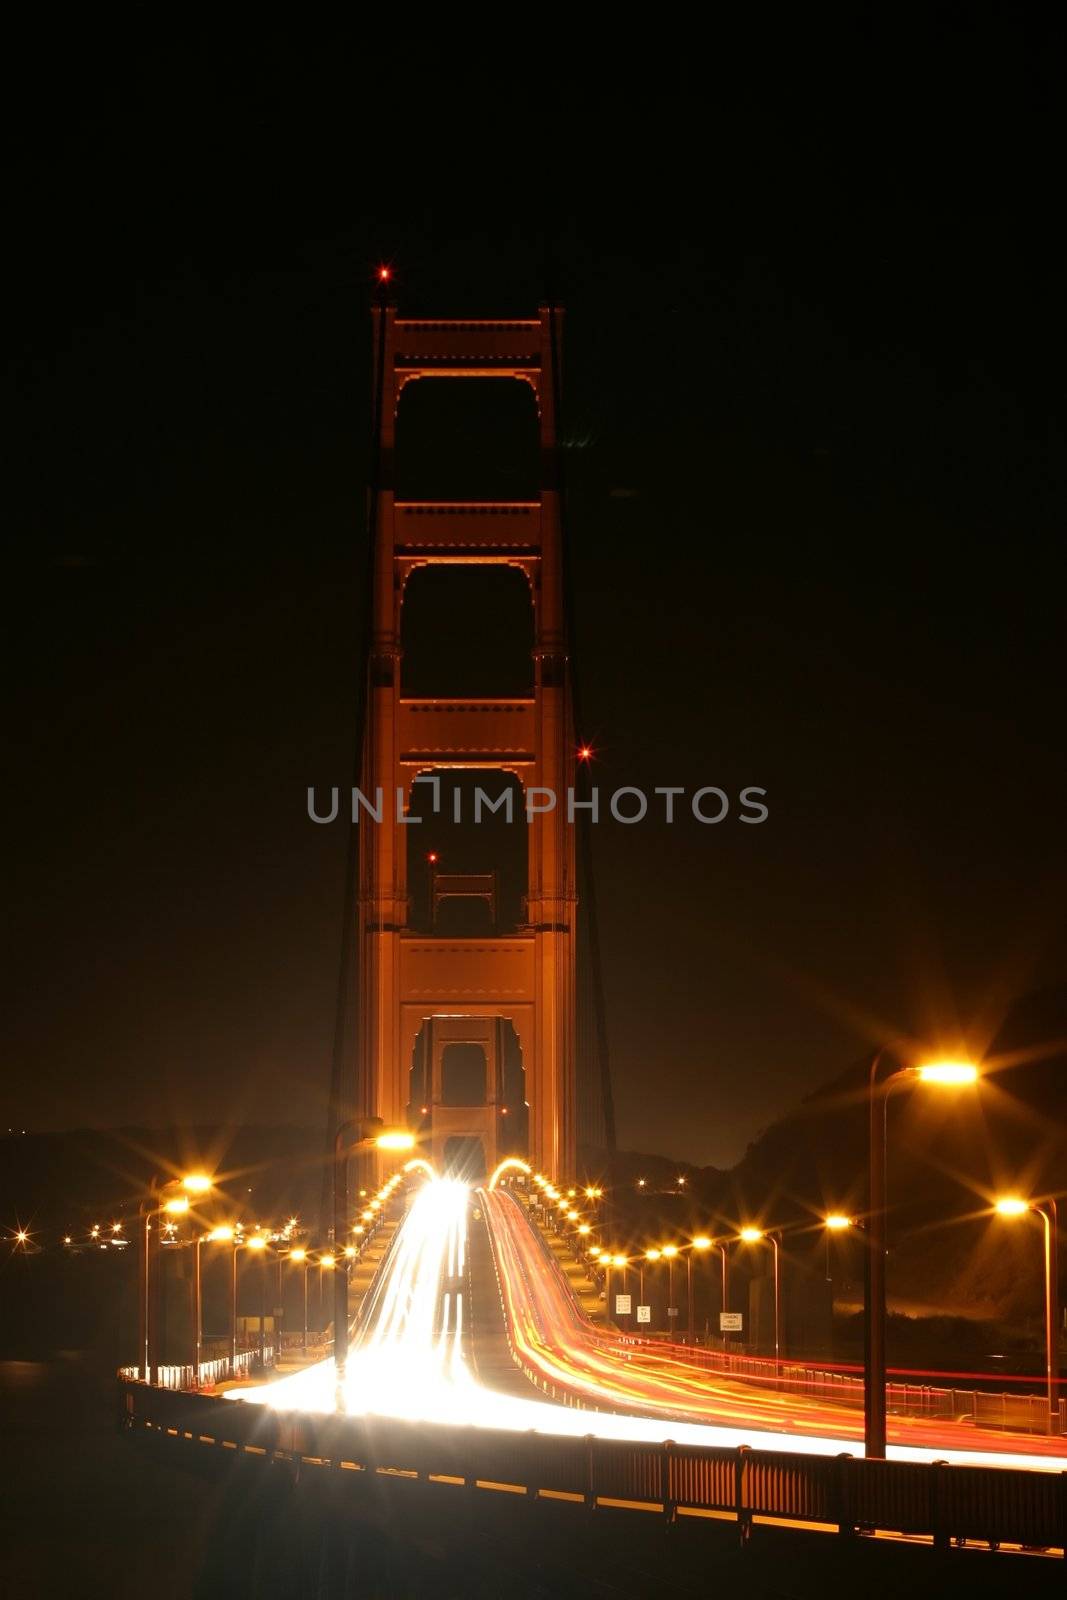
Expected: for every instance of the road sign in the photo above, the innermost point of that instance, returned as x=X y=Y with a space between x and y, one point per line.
x=644 y=1313
x=622 y=1305
x=730 y=1322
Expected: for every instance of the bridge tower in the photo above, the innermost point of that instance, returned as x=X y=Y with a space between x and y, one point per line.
x=428 y=988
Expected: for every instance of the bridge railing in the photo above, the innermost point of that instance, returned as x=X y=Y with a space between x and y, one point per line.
x=173 y=1377
x=843 y=1493
x=1019 y=1413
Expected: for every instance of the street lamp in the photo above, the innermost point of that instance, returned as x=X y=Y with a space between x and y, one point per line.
x=836 y=1222
x=300 y=1256
x=225 y=1234
x=650 y=1256
x=217 y=1235
x=700 y=1243
x=670 y=1251
x=754 y=1236
x=1011 y=1206
x=171 y=1198
x=259 y=1243
x=948 y=1074
x=365 y=1133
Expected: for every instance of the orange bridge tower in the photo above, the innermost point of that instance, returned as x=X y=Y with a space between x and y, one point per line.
x=424 y=993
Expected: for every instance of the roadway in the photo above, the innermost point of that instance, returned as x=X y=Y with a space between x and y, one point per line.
x=601 y=1368
x=443 y=1313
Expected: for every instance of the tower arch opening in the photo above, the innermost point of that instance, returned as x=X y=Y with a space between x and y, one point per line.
x=467 y=439
x=466 y=631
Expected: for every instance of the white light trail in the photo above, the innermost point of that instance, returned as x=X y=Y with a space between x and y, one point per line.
x=410 y=1364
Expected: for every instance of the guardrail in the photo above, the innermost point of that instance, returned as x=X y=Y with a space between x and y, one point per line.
x=210 y=1372
x=945 y=1504
x=1021 y=1413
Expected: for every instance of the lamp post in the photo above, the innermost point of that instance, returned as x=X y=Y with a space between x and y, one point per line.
x=620 y=1263
x=670 y=1251
x=879 y=1087
x=257 y=1242
x=700 y=1243
x=1046 y=1210
x=650 y=1255
x=606 y=1261
x=364 y=1133
x=198 y=1335
x=326 y=1263
x=834 y=1223
x=754 y=1236
x=170 y=1198
x=300 y=1256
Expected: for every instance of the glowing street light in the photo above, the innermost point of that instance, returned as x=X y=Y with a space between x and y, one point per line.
x=395 y=1141
x=951 y=1072
x=836 y=1222
x=651 y=1255
x=880 y=1084
x=699 y=1244
x=1011 y=1206
x=170 y=1198
x=609 y=1260
x=669 y=1253
x=754 y=1236
x=300 y=1256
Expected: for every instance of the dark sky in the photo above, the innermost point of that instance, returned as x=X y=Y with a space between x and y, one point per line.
x=814 y=389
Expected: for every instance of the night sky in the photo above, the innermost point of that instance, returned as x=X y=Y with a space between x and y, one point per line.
x=813 y=414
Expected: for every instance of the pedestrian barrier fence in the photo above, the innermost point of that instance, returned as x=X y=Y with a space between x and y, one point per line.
x=211 y=1372
x=1019 y=1413
x=848 y=1494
